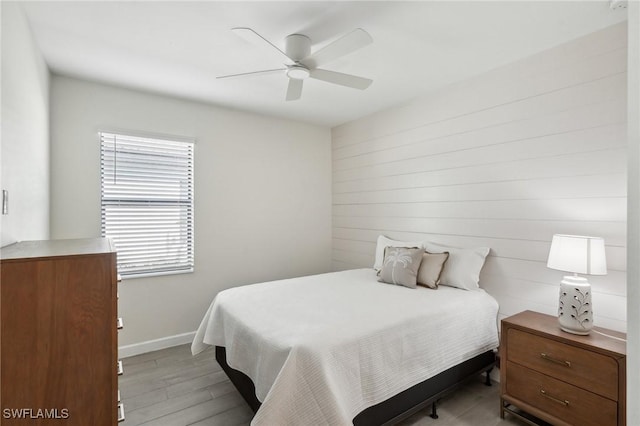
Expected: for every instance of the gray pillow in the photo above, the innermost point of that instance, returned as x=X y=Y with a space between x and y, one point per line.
x=401 y=265
x=431 y=268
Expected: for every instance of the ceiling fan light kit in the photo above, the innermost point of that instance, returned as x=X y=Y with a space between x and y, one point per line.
x=298 y=72
x=300 y=64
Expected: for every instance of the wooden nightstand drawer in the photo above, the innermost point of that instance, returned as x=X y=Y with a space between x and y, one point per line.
x=564 y=401
x=562 y=378
x=567 y=363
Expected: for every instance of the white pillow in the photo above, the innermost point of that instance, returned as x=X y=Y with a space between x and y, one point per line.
x=462 y=269
x=384 y=242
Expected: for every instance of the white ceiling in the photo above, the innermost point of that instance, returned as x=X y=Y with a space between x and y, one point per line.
x=178 y=48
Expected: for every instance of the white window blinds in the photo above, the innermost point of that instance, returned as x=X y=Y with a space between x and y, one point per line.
x=147 y=203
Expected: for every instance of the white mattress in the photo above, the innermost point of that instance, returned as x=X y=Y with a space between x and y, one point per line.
x=321 y=349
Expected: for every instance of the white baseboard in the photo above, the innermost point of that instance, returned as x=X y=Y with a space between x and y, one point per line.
x=155 y=345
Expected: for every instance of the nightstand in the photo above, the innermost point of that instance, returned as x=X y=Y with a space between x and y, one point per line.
x=561 y=378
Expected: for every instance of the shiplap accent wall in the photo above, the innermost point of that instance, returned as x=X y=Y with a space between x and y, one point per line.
x=504 y=160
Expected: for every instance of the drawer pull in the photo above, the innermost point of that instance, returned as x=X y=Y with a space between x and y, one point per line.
x=120 y=368
x=559 y=401
x=120 y=412
x=119 y=323
x=557 y=361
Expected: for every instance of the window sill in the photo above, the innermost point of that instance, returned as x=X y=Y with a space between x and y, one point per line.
x=155 y=274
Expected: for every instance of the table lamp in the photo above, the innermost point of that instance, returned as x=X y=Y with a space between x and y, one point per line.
x=580 y=255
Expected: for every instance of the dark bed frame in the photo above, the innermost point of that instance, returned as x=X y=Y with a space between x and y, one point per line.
x=399 y=406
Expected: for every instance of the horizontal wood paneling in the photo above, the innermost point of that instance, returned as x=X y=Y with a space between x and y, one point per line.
x=503 y=160
x=607 y=208
x=613 y=232
x=558 y=67
x=591 y=186
x=548 y=165
x=543 y=137
x=592 y=93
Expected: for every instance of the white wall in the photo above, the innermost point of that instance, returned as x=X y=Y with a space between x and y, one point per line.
x=262 y=196
x=25 y=131
x=503 y=160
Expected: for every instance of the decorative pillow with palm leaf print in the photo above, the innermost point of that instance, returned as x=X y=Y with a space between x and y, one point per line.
x=384 y=242
x=401 y=265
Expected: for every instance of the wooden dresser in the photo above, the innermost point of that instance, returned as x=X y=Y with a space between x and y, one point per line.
x=561 y=378
x=58 y=335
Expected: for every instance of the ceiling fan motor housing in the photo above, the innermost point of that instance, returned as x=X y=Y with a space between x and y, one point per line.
x=297 y=46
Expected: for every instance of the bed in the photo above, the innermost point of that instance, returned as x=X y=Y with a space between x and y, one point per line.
x=342 y=348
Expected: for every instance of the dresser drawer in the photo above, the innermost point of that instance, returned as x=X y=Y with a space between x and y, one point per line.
x=566 y=402
x=567 y=363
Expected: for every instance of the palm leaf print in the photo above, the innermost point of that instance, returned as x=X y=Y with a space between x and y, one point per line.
x=397 y=256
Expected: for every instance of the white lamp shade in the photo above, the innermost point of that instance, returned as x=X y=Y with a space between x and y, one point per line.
x=578 y=254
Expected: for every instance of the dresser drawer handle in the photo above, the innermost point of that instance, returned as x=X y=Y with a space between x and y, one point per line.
x=120 y=368
x=120 y=412
x=559 y=401
x=557 y=361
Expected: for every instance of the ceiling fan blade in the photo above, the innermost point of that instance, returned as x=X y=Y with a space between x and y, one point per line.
x=252 y=73
x=253 y=37
x=294 y=90
x=348 y=43
x=347 y=80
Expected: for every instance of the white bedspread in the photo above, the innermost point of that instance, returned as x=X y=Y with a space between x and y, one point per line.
x=321 y=349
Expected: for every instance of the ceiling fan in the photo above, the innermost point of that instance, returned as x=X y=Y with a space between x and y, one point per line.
x=300 y=64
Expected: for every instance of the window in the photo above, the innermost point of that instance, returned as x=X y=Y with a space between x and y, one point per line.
x=147 y=203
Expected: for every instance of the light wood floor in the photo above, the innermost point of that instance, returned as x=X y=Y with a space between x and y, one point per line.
x=171 y=387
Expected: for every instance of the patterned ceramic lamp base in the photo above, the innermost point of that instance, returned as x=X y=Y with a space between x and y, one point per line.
x=575 y=312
